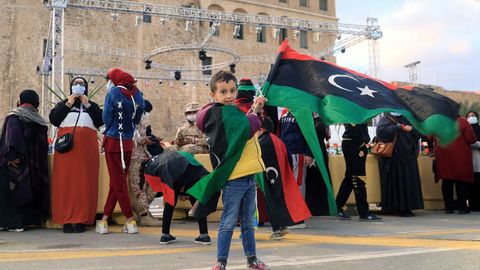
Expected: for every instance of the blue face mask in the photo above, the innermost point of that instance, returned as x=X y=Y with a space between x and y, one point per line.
x=78 y=90
x=110 y=85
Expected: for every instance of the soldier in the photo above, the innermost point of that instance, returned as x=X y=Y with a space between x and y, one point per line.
x=141 y=194
x=189 y=138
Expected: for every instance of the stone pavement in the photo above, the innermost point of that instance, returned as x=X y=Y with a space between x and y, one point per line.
x=430 y=240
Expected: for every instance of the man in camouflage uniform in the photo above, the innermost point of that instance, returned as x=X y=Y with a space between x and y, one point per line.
x=141 y=194
x=189 y=138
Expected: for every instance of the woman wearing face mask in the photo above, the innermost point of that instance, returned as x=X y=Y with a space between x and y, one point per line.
x=474 y=194
x=75 y=173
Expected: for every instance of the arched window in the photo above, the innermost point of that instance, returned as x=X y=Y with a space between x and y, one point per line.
x=215 y=26
x=261 y=31
x=238 y=28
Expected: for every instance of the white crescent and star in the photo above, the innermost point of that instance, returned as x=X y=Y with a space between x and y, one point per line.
x=365 y=91
x=273 y=169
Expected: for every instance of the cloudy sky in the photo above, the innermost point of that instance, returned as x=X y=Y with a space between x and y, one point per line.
x=443 y=34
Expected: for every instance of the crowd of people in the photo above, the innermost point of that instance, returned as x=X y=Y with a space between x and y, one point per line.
x=231 y=129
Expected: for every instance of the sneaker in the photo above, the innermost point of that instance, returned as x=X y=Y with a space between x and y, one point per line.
x=203 y=240
x=101 y=227
x=370 y=217
x=276 y=235
x=258 y=265
x=297 y=226
x=219 y=266
x=130 y=227
x=16 y=229
x=167 y=239
x=343 y=216
x=284 y=231
x=150 y=221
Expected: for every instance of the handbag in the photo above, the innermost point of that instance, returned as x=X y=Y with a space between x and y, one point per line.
x=384 y=149
x=64 y=143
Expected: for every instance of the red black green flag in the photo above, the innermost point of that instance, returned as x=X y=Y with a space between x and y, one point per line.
x=285 y=203
x=340 y=95
x=172 y=170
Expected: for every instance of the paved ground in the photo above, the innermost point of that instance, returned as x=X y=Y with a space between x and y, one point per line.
x=430 y=240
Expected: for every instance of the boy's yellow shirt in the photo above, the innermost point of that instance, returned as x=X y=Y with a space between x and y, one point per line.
x=250 y=161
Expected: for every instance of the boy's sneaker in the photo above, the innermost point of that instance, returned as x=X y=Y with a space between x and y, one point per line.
x=16 y=230
x=219 y=266
x=276 y=235
x=167 y=239
x=101 y=227
x=130 y=227
x=370 y=217
x=258 y=265
x=205 y=240
x=284 y=231
x=342 y=215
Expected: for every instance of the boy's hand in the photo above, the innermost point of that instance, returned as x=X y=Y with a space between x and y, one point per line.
x=259 y=103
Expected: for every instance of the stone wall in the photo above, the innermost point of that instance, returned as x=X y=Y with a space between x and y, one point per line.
x=25 y=25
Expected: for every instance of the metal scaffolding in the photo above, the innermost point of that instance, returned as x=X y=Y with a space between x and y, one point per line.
x=353 y=33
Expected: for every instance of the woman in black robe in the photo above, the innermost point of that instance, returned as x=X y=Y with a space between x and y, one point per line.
x=24 y=188
x=401 y=189
x=316 y=190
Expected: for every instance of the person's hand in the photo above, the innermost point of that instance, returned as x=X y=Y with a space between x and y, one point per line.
x=407 y=128
x=308 y=161
x=84 y=100
x=71 y=99
x=14 y=163
x=258 y=104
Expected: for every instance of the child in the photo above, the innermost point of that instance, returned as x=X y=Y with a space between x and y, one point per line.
x=236 y=157
x=285 y=204
x=120 y=106
x=171 y=172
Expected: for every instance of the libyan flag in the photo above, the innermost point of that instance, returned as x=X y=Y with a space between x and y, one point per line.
x=284 y=201
x=304 y=85
x=172 y=170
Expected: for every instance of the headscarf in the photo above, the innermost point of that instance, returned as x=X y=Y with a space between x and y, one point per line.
x=29 y=97
x=27 y=110
x=123 y=79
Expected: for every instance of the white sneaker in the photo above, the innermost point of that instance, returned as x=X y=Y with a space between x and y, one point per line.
x=130 y=227
x=297 y=226
x=16 y=230
x=101 y=227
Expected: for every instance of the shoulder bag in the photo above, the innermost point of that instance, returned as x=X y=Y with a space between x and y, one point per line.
x=64 y=143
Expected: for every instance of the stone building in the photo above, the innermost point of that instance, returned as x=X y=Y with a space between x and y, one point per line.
x=26 y=25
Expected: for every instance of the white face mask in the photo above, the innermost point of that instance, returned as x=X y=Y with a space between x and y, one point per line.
x=396 y=114
x=192 y=117
x=472 y=120
x=110 y=85
x=78 y=90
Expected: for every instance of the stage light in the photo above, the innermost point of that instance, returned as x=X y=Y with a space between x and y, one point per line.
x=258 y=29
x=342 y=50
x=232 y=68
x=160 y=81
x=202 y=55
x=148 y=64
x=114 y=16
x=178 y=75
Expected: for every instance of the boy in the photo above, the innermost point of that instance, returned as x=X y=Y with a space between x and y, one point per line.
x=236 y=157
